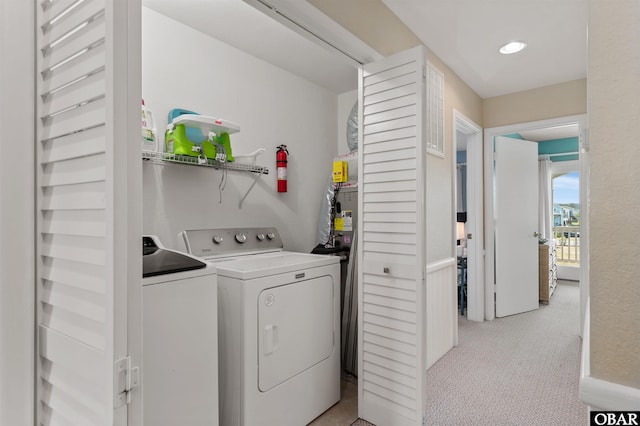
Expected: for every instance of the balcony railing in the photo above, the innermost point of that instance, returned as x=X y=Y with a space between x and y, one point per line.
x=567 y=240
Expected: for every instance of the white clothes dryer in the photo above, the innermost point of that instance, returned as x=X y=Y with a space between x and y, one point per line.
x=278 y=327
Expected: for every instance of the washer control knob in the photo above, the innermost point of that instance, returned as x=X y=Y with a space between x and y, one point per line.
x=260 y=237
x=240 y=237
x=217 y=239
x=271 y=235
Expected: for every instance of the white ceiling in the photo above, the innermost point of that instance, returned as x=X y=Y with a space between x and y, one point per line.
x=551 y=133
x=242 y=26
x=466 y=35
x=236 y=23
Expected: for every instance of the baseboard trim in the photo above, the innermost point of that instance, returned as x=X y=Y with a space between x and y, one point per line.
x=601 y=394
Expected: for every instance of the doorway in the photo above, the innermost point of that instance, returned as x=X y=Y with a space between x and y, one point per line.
x=490 y=227
x=467 y=141
x=565 y=186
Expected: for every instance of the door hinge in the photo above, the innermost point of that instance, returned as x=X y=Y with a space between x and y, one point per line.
x=126 y=378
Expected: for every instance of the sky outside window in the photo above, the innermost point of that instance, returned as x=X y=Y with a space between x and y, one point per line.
x=566 y=188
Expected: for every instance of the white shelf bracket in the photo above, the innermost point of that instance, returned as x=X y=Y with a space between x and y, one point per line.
x=255 y=180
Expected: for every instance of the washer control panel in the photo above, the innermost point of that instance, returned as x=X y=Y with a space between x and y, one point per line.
x=230 y=241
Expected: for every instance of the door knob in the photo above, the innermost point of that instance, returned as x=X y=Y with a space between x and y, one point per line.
x=536 y=234
x=469 y=236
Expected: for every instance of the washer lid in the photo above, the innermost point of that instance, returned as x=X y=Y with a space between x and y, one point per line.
x=162 y=262
x=272 y=264
x=156 y=260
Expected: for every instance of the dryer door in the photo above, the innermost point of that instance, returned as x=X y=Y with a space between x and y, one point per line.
x=295 y=329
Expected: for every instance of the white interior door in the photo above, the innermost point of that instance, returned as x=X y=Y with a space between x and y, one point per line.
x=88 y=211
x=516 y=225
x=391 y=262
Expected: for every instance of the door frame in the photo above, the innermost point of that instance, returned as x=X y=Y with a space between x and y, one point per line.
x=489 y=225
x=475 y=264
x=17 y=220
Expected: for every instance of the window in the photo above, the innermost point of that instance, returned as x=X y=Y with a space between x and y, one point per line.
x=566 y=217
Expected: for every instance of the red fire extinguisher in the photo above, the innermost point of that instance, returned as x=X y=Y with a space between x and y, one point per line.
x=281 y=160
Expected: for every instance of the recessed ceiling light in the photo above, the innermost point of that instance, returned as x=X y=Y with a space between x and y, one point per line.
x=512 y=47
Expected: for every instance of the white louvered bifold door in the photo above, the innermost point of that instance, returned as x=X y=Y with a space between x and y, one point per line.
x=391 y=379
x=88 y=231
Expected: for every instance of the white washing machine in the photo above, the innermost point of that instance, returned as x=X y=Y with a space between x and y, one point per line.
x=278 y=327
x=179 y=338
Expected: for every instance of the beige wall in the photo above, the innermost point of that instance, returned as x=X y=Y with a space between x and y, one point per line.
x=440 y=208
x=372 y=22
x=376 y=25
x=558 y=100
x=614 y=114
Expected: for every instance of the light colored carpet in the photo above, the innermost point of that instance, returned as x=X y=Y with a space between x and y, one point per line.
x=519 y=370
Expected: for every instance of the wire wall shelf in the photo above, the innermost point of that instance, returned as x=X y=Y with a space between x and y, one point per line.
x=163 y=158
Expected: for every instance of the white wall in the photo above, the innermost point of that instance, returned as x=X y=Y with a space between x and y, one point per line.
x=17 y=281
x=183 y=68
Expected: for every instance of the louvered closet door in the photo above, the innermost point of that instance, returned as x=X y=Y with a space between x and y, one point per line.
x=86 y=229
x=391 y=379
